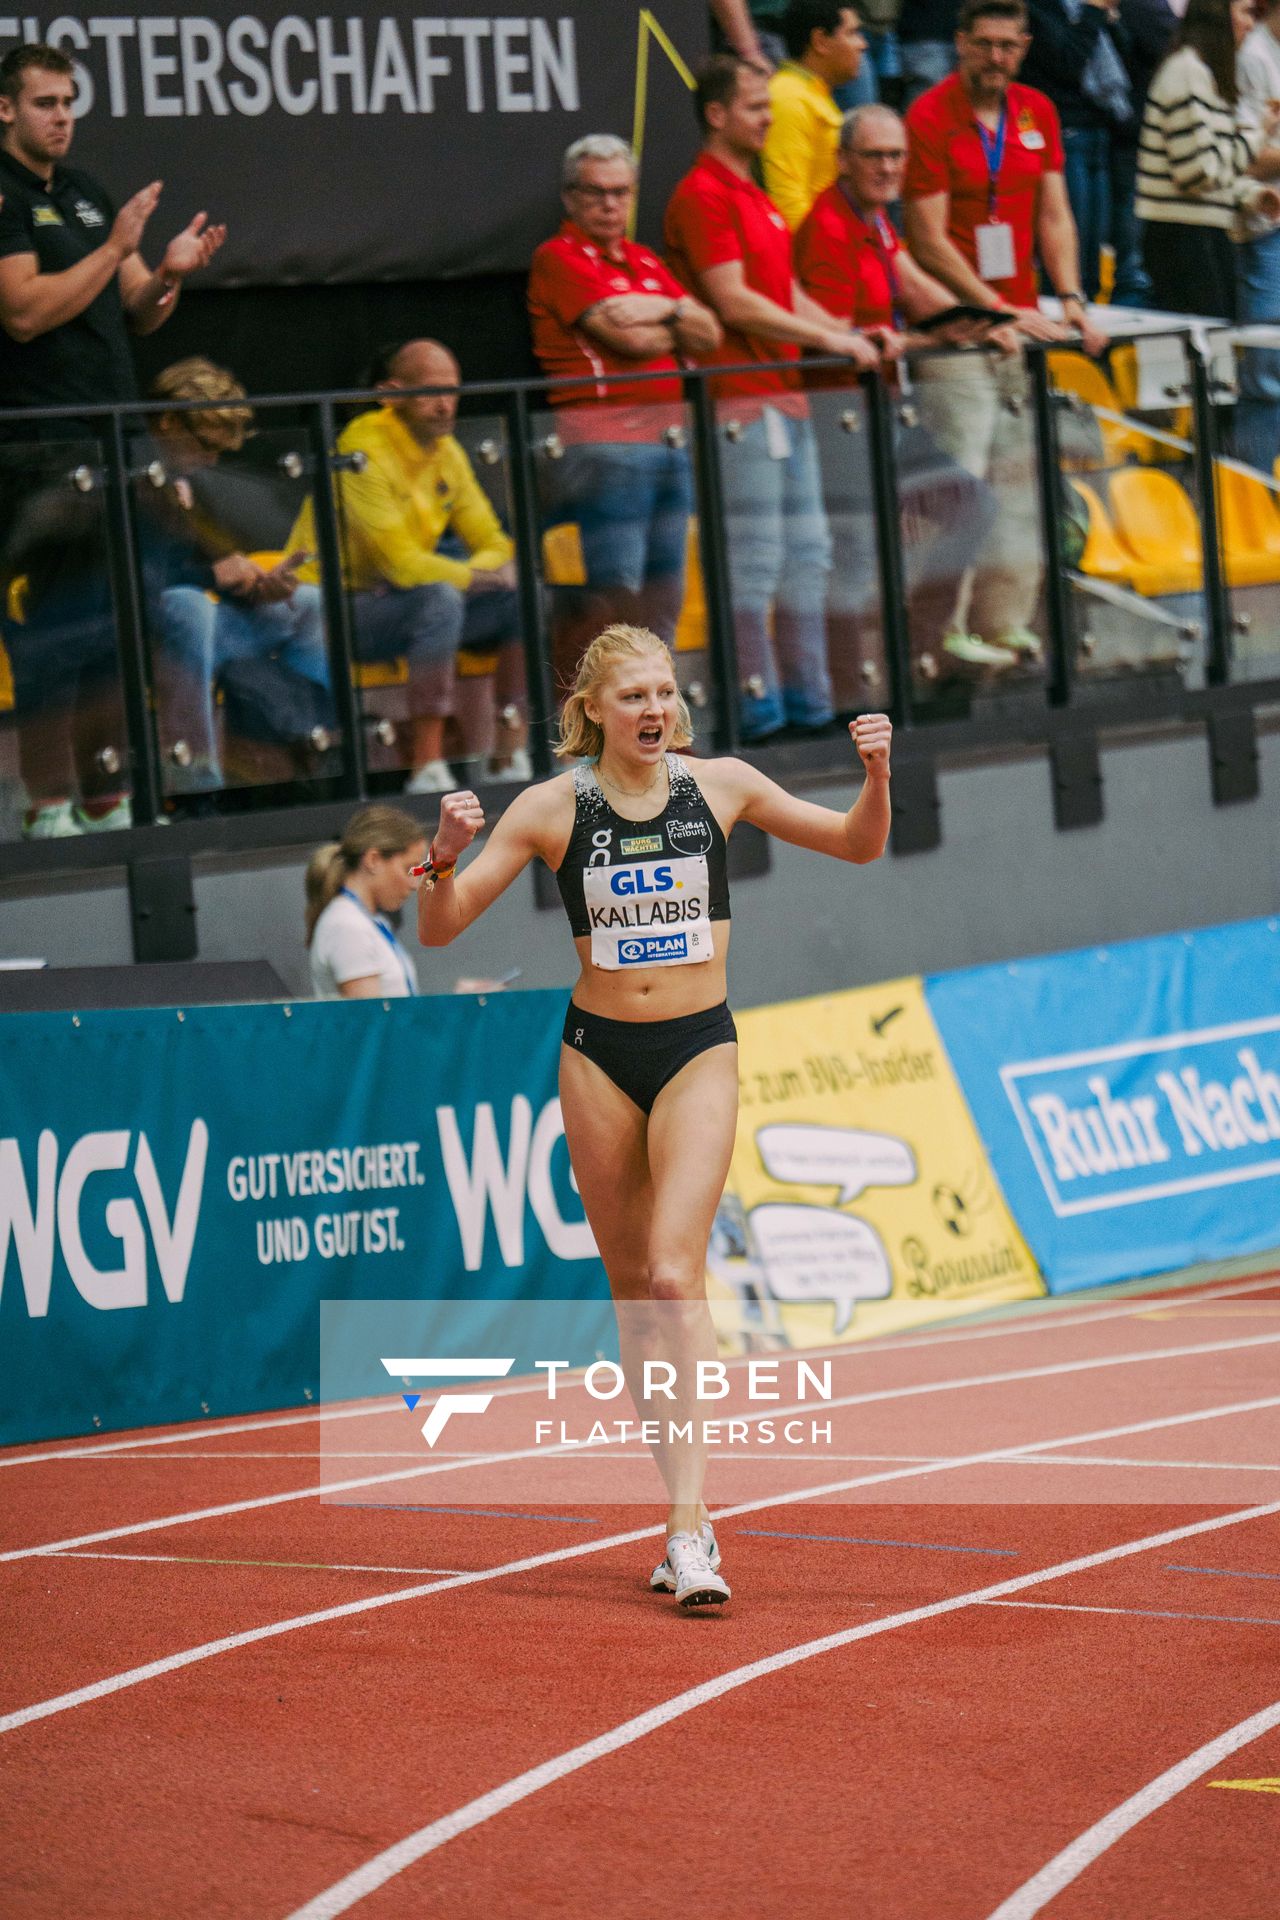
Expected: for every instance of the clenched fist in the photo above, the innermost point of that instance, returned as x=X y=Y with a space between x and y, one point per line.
x=461 y=818
x=871 y=734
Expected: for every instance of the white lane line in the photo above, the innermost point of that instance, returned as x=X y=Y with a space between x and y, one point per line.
x=1034 y=1322
x=1187 y=1466
x=171 y=1663
x=375 y=1873
x=1141 y=1613
x=205 y=1560
x=329 y=1488
x=1035 y=1894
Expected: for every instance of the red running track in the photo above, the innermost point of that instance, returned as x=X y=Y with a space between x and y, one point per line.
x=969 y=1690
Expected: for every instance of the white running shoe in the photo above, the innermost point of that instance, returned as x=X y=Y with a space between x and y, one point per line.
x=433 y=776
x=694 y=1580
x=663 y=1580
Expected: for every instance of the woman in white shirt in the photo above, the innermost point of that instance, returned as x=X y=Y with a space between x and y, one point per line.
x=352 y=885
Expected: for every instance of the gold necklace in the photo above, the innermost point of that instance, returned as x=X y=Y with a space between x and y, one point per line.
x=641 y=793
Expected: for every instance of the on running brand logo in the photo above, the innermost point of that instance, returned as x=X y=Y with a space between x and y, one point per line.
x=439 y=1367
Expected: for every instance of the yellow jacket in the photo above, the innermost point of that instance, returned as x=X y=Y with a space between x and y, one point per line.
x=799 y=158
x=392 y=515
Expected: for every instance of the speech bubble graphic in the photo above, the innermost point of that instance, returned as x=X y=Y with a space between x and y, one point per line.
x=846 y=1157
x=814 y=1253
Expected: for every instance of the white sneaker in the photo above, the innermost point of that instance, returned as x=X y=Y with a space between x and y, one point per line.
x=663 y=1580
x=697 y=1584
x=519 y=767
x=434 y=776
x=55 y=822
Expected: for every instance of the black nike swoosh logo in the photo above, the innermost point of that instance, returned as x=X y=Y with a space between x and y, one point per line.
x=878 y=1026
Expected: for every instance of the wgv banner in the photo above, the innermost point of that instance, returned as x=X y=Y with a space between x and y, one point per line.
x=1129 y=1097
x=179 y=1191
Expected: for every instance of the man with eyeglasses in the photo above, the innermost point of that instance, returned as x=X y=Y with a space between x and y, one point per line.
x=984 y=194
x=850 y=260
x=604 y=311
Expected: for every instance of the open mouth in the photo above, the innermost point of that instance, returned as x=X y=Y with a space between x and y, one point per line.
x=651 y=736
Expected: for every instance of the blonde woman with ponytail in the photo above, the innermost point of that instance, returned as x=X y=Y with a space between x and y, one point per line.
x=352 y=884
x=636 y=837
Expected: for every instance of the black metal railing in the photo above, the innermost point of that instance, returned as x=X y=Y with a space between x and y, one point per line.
x=987 y=713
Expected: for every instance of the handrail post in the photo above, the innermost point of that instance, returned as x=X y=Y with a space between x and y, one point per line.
x=1049 y=487
x=1217 y=597
x=893 y=593
x=713 y=555
x=533 y=623
x=135 y=678
x=337 y=606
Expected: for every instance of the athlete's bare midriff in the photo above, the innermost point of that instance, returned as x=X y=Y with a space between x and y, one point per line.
x=652 y=993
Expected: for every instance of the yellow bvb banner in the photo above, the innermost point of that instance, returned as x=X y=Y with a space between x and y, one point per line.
x=860 y=1199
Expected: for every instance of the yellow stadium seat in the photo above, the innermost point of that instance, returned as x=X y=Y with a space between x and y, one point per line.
x=1075 y=373
x=1156 y=521
x=6 y=681
x=1250 y=528
x=562 y=562
x=1103 y=558
x=691 y=628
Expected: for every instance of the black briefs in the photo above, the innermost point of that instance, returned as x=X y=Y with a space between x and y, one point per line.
x=640 y=1056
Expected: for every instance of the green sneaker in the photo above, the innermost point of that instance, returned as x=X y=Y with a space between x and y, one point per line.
x=973 y=651
x=1022 y=641
x=53 y=822
x=121 y=815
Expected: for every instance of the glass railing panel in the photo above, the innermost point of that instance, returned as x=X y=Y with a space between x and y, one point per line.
x=65 y=763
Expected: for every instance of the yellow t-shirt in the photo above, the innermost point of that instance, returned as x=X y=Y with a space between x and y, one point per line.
x=393 y=515
x=799 y=158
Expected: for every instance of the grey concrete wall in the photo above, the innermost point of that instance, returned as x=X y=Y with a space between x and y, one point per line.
x=1003 y=883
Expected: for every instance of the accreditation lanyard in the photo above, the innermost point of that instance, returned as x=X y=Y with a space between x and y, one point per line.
x=877 y=230
x=390 y=939
x=993 y=148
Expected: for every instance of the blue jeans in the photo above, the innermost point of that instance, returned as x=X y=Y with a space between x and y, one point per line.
x=1132 y=285
x=422 y=626
x=198 y=636
x=1087 y=151
x=1256 y=434
x=632 y=501
x=924 y=64
x=779 y=557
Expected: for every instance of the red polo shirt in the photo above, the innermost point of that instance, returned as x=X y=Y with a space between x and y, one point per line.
x=846 y=263
x=946 y=155
x=569 y=275
x=715 y=216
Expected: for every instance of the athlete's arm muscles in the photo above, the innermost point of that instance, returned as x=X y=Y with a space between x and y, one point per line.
x=527 y=828
x=859 y=836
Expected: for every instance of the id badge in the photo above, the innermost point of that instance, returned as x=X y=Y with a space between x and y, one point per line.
x=995 y=251
x=777 y=434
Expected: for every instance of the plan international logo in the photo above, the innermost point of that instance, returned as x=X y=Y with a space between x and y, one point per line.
x=1151 y=1119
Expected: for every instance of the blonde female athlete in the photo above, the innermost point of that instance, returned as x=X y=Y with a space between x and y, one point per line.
x=649 y=1067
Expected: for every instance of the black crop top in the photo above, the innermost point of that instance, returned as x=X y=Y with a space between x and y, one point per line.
x=685 y=828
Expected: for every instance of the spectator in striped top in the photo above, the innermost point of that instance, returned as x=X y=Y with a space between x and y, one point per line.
x=1194 y=164
x=1256 y=429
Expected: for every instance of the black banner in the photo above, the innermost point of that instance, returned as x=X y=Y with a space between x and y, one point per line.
x=373 y=146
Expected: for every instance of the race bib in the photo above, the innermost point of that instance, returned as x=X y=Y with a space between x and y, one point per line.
x=653 y=914
x=995 y=251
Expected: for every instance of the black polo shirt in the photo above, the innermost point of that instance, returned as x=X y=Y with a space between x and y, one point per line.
x=86 y=361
